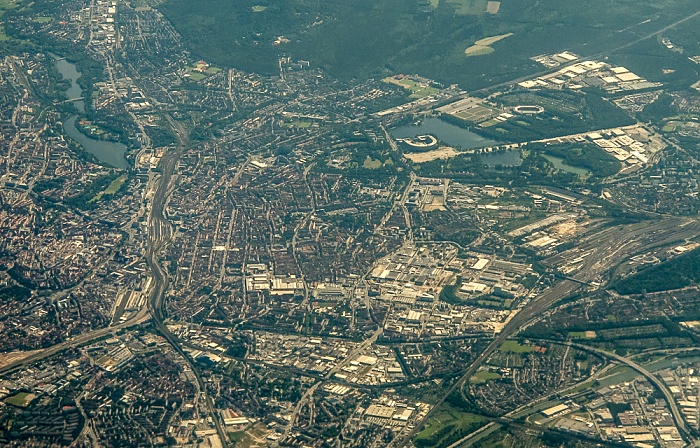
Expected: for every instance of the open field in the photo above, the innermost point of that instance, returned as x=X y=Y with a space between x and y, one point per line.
x=483 y=46
x=493 y=7
x=515 y=347
x=444 y=152
x=252 y=437
x=483 y=376
x=469 y=7
x=111 y=189
x=372 y=164
x=22 y=399
x=298 y=124
x=447 y=427
x=431 y=44
x=468 y=109
x=477 y=113
x=417 y=90
x=200 y=71
x=582 y=334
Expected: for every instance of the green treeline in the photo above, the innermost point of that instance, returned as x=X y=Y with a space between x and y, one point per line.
x=583 y=155
x=674 y=274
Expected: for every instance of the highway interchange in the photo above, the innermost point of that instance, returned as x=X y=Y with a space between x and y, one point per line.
x=606 y=249
x=603 y=250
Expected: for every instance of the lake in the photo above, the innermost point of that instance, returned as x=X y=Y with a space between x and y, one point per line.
x=110 y=153
x=71 y=73
x=559 y=164
x=509 y=157
x=446 y=132
x=460 y=138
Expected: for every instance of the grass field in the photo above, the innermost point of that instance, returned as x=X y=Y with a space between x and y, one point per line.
x=111 y=189
x=298 y=124
x=447 y=427
x=22 y=399
x=477 y=50
x=196 y=76
x=515 y=347
x=483 y=377
x=474 y=114
x=372 y=164
x=483 y=46
x=417 y=90
x=488 y=124
x=469 y=7
x=668 y=128
x=582 y=335
x=198 y=72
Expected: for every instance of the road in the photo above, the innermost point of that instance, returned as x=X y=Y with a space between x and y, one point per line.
x=590 y=57
x=160 y=233
x=607 y=248
x=683 y=428
x=78 y=341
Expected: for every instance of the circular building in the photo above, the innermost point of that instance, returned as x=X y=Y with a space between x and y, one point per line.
x=529 y=110
x=419 y=143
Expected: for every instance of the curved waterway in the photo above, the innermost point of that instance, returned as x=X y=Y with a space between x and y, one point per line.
x=110 y=153
x=71 y=73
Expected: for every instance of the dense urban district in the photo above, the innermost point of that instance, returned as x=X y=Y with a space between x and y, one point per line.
x=228 y=224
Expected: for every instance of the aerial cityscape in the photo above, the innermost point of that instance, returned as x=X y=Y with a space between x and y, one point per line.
x=349 y=223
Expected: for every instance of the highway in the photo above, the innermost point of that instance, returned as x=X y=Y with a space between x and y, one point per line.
x=77 y=341
x=160 y=233
x=683 y=428
x=607 y=249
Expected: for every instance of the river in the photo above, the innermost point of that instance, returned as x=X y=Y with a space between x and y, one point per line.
x=110 y=153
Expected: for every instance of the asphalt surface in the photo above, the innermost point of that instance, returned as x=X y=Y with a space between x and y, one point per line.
x=160 y=233
x=606 y=249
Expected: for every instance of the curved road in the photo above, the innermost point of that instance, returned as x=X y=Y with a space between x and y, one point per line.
x=681 y=424
x=610 y=246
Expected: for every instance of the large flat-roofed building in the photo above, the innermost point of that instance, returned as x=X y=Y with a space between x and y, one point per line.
x=555 y=410
x=481 y=264
x=379 y=411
